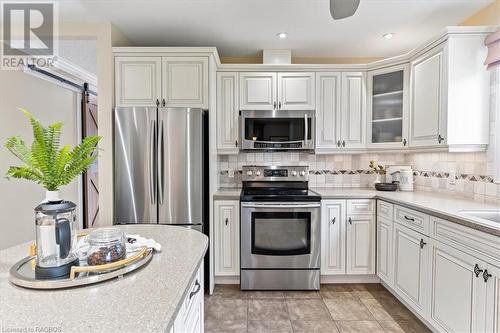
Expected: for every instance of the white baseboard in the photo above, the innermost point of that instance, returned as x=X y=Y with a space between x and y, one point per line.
x=349 y=279
x=323 y=279
x=227 y=280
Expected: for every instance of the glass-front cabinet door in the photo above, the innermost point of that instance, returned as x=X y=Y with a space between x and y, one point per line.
x=388 y=107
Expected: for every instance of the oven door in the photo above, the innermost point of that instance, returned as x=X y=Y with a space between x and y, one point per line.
x=280 y=235
x=277 y=130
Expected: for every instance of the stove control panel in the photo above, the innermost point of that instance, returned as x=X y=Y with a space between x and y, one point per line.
x=275 y=173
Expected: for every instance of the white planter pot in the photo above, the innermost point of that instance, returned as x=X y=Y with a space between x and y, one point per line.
x=52 y=196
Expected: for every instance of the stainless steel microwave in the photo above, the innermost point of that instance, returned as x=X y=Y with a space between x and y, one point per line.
x=277 y=130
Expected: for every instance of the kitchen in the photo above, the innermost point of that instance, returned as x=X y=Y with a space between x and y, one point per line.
x=335 y=191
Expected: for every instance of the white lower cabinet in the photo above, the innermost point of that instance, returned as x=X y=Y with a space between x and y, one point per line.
x=458 y=292
x=347 y=241
x=227 y=237
x=190 y=318
x=493 y=299
x=385 y=251
x=360 y=244
x=411 y=266
x=333 y=214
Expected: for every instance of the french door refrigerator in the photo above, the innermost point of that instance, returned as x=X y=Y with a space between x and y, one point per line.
x=160 y=166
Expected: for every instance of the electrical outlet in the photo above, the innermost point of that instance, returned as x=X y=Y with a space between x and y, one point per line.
x=451 y=177
x=230 y=173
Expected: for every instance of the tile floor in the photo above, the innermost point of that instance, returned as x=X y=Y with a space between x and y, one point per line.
x=345 y=308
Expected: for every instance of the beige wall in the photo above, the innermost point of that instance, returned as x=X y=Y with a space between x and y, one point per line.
x=49 y=103
x=489 y=15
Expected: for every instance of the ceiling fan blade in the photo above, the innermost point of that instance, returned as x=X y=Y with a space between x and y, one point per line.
x=340 y=9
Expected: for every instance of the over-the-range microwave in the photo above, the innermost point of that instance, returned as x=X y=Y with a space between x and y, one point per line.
x=277 y=130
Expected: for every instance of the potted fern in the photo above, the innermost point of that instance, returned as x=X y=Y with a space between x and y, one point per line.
x=45 y=162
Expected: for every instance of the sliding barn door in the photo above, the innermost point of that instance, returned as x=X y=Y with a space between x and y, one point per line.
x=90 y=178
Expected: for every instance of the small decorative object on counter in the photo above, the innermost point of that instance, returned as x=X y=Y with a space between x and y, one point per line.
x=107 y=245
x=52 y=166
x=379 y=170
x=386 y=186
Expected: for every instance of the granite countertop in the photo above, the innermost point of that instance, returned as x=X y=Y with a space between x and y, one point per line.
x=146 y=300
x=437 y=204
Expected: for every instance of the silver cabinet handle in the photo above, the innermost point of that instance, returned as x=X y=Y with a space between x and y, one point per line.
x=227 y=221
x=198 y=287
x=152 y=169
x=306 y=130
x=333 y=220
x=160 y=163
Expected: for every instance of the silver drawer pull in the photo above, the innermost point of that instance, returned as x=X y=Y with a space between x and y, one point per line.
x=198 y=287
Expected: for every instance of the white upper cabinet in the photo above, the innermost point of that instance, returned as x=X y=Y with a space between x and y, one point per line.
x=227 y=237
x=258 y=91
x=411 y=265
x=328 y=96
x=353 y=115
x=458 y=301
x=450 y=95
x=227 y=112
x=138 y=81
x=296 y=91
x=387 y=107
x=333 y=237
x=360 y=244
x=428 y=103
x=185 y=82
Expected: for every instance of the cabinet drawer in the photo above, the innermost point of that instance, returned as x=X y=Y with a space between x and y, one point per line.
x=362 y=206
x=412 y=219
x=474 y=242
x=385 y=209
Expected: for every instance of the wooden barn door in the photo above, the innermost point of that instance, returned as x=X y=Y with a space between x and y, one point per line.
x=90 y=178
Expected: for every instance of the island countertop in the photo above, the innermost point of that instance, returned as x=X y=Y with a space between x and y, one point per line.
x=146 y=300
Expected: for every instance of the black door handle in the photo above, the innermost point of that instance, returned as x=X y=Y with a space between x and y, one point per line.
x=486 y=275
x=477 y=271
x=422 y=243
x=198 y=287
x=409 y=218
x=350 y=220
x=333 y=220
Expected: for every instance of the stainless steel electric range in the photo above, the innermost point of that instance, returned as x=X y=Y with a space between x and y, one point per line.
x=280 y=229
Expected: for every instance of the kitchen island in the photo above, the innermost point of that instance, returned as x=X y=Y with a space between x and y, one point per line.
x=147 y=300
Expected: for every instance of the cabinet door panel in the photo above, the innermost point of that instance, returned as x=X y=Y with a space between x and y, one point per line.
x=227 y=234
x=227 y=112
x=458 y=297
x=333 y=237
x=258 y=91
x=387 y=109
x=427 y=99
x=353 y=116
x=185 y=81
x=137 y=80
x=411 y=267
x=493 y=300
x=328 y=96
x=384 y=250
x=296 y=91
x=360 y=244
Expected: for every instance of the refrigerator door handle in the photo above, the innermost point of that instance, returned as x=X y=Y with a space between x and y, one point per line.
x=152 y=136
x=160 y=157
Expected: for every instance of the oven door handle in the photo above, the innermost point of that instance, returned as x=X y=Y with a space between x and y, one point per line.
x=265 y=205
x=258 y=141
x=306 y=134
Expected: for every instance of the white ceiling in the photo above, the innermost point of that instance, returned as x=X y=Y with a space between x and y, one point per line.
x=245 y=27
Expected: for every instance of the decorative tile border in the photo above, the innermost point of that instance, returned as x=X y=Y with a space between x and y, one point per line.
x=425 y=174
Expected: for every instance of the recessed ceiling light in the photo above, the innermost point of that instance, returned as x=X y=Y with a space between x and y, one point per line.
x=389 y=35
x=282 y=35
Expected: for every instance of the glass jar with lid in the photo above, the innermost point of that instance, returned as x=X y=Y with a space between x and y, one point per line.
x=106 y=245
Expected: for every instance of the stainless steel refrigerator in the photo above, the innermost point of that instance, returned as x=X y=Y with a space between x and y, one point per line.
x=160 y=166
